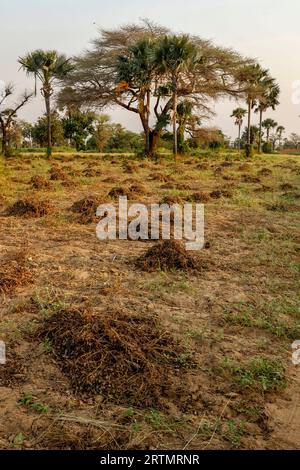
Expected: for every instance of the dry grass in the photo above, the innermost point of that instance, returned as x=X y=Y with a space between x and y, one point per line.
x=167 y=255
x=14 y=272
x=31 y=208
x=124 y=356
x=223 y=307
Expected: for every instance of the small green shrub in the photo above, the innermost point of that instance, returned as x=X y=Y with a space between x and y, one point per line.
x=267 y=147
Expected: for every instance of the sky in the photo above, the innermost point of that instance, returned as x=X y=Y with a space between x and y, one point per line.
x=267 y=30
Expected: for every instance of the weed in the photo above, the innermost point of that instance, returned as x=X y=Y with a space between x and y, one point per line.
x=29 y=401
x=233 y=432
x=261 y=373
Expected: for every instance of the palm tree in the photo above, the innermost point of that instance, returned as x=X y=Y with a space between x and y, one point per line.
x=279 y=131
x=48 y=67
x=252 y=78
x=239 y=114
x=135 y=71
x=184 y=114
x=174 y=56
x=269 y=99
x=269 y=124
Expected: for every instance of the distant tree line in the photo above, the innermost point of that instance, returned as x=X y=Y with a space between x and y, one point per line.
x=169 y=81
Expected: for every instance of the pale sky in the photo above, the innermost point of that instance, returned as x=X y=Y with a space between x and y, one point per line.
x=266 y=29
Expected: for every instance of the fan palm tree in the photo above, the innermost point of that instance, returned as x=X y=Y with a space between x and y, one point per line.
x=175 y=55
x=48 y=67
x=252 y=78
x=269 y=99
x=239 y=114
x=135 y=72
x=279 y=131
x=269 y=124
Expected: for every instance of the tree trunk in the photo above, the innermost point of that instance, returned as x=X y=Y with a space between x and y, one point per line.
x=5 y=142
x=49 y=137
x=154 y=136
x=249 y=149
x=180 y=139
x=249 y=122
x=239 y=138
x=175 y=146
x=147 y=130
x=260 y=129
x=268 y=134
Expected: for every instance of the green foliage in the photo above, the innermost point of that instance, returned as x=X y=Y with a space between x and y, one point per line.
x=274 y=317
x=29 y=401
x=249 y=151
x=260 y=374
x=267 y=147
x=233 y=432
x=18 y=441
x=77 y=128
x=47 y=345
x=40 y=130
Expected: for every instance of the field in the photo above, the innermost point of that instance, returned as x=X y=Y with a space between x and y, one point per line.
x=189 y=358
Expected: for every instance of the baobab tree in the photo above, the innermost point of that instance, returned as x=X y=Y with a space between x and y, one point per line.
x=239 y=114
x=8 y=115
x=49 y=67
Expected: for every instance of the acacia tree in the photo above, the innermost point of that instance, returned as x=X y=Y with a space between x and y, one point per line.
x=8 y=116
x=102 y=131
x=239 y=114
x=119 y=71
x=49 y=67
